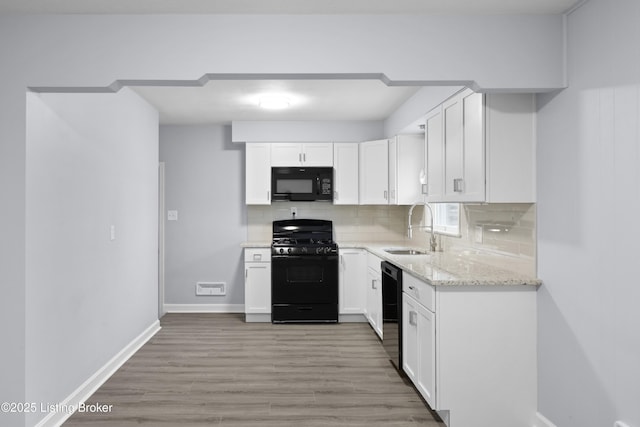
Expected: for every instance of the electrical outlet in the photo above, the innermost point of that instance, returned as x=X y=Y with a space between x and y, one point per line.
x=172 y=215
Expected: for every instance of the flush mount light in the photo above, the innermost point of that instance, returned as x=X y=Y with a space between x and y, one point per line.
x=274 y=102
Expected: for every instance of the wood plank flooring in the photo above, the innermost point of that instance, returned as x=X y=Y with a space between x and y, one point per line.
x=217 y=370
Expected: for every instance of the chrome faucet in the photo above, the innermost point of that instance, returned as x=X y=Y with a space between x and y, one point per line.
x=432 y=242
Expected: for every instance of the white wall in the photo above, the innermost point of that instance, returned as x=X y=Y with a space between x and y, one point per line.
x=204 y=175
x=588 y=224
x=92 y=163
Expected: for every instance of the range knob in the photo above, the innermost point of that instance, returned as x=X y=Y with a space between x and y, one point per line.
x=281 y=250
x=289 y=250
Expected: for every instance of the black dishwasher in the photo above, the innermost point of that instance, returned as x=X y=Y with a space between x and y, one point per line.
x=392 y=312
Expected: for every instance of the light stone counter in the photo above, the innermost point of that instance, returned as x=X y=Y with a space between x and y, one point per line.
x=440 y=268
x=447 y=269
x=255 y=245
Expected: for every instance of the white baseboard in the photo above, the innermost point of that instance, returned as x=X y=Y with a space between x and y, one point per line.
x=82 y=393
x=204 y=308
x=352 y=318
x=542 y=421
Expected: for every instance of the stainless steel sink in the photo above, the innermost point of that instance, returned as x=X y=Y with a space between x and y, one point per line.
x=404 y=251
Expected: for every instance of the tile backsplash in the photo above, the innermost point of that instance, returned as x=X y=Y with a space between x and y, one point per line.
x=350 y=223
x=501 y=234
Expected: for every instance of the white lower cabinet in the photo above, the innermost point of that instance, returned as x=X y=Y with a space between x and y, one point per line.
x=352 y=298
x=470 y=351
x=374 y=293
x=419 y=350
x=257 y=284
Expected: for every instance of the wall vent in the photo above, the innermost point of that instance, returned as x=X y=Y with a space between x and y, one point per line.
x=211 y=288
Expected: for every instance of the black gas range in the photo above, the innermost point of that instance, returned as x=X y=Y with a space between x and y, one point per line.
x=304 y=272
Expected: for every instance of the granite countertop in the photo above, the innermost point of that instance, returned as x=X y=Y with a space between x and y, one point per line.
x=439 y=268
x=448 y=269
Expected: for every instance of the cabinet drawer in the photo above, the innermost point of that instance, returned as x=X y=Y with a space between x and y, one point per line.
x=425 y=294
x=257 y=255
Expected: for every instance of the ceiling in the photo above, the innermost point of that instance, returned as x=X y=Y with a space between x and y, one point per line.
x=288 y=6
x=222 y=101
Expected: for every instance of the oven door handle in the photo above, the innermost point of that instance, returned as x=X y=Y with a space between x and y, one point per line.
x=323 y=257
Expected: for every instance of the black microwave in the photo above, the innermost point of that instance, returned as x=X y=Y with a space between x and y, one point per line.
x=302 y=184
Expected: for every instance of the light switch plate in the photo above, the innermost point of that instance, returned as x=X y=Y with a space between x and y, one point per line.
x=172 y=215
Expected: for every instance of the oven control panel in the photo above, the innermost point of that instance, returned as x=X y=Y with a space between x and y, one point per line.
x=304 y=250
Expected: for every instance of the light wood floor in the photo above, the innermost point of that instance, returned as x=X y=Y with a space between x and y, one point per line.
x=216 y=370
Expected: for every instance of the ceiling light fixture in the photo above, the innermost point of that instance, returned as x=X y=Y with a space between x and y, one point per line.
x=274 y=102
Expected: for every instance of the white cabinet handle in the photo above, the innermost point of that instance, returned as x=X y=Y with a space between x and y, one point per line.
x=335 y=194
x=413 y=318
x=385 y=194
x=268 y=195
x=300 y=157
x=304 y=157
x=246 y=273
x=373 y=284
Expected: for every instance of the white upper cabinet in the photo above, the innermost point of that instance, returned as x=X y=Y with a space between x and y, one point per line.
x=434 y=144
x=258 y=174
x=346 y=174
x=302 y=154
x=374 y=172
x=464 y=148
x=406 y=162
x=480 y=148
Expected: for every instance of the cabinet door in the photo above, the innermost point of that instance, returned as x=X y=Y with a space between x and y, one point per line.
x=434 y=155
x=463 y=118
x=258 y=174
x=374 y=170
x=286 y=154
x=374 y=301
x=409 y=337
x=426 y=339
x=257 y=288
x=474 y=148
x=393 y=171
x=346 y=175
x=452 y=114
x=317 y=154
x=352 y=281
x=409 y=163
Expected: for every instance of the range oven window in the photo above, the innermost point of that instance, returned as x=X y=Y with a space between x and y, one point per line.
x=305 y=274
